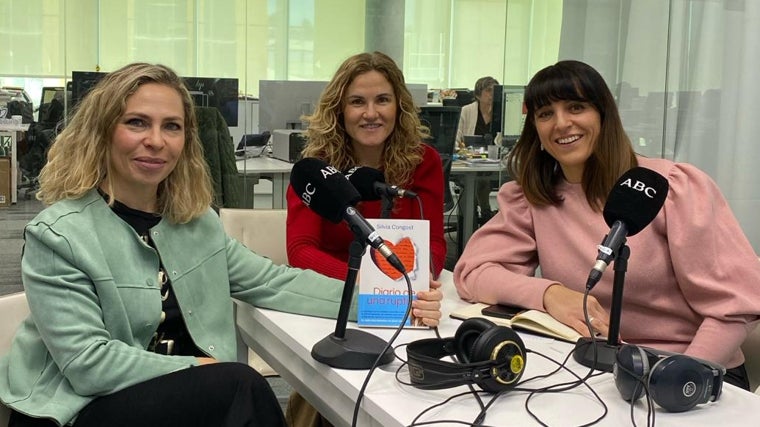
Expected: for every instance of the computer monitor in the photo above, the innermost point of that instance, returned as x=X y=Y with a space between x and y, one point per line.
x=221 y=93
x=218 y=92
x=283 y=102
x=82 y=82
x=508 y=113
x=443 y=123
x=419 y=93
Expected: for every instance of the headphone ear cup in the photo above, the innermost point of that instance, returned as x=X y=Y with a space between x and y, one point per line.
x=467 y=334
x=678 y=383
x=497 y=344
x=482 y=341
x=631 y=370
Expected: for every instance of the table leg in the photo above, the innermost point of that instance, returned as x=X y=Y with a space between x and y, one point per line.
x=280 y=183
x=468 y=207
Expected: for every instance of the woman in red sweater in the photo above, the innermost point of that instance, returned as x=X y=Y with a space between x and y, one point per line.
x=366 y=117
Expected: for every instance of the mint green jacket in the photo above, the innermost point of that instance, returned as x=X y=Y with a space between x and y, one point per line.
x=93 y=291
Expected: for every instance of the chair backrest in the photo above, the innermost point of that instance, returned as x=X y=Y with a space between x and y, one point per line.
x=13 y=310
x=261 y=230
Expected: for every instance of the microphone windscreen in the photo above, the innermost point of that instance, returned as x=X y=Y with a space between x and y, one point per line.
x=636 y=198
x=364 y=179
x=323 y=188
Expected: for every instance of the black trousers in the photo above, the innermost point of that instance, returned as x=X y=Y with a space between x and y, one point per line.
x=221 y=394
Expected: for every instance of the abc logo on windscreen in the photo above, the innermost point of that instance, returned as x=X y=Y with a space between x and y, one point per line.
x=639 y=186
x=310 y=188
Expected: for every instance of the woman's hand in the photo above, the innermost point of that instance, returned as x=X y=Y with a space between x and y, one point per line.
x=427 y=306
x=566 y=305
x=206 y=360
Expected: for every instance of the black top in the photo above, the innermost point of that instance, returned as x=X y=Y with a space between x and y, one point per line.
x=481 y=127
x=172 y=326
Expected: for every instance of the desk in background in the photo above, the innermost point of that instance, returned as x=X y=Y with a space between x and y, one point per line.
x=9 y=139
x=468 y=177
x=285 y=342
x=266 y=167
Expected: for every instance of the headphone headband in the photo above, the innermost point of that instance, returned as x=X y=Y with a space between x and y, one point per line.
x=676 y=382
x=663 y=353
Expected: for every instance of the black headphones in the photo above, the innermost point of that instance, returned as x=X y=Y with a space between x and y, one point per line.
x=676 y=382
x=491 y=356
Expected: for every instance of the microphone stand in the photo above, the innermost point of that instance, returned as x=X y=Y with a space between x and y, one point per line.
x=595 y=352
x=352 y=348
x=387 y=203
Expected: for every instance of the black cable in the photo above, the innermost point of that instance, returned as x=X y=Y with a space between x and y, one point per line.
x=642 y=381
x=419 y=203
x=561 y=387
x=386 y=348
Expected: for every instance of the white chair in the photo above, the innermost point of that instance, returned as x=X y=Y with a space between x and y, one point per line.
x=13 y=309
x=262 y=231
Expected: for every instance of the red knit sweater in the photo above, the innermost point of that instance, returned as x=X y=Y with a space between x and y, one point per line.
x=318 y=244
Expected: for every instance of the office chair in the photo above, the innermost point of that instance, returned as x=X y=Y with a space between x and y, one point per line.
x=443 y=123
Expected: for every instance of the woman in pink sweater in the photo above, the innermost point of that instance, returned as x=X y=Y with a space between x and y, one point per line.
x=693 y=279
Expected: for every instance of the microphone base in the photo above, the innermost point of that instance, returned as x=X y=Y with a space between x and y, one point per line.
x=605 y=353
x=357 y=350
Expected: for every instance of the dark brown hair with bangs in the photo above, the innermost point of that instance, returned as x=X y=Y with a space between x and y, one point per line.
x=537 y=171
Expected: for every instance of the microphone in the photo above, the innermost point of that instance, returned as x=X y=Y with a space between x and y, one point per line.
x=635 y=200
x=371 y=184
x=327 y=192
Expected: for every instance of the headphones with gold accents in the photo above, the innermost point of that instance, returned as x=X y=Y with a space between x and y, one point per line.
x=491 y=356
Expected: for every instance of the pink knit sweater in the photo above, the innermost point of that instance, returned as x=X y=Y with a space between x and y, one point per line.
x=693 y=280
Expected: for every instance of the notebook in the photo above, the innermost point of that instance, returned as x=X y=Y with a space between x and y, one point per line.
x=534 y=321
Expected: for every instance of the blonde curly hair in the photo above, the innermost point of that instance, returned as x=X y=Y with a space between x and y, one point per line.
x=327 y=136
x=78 y=160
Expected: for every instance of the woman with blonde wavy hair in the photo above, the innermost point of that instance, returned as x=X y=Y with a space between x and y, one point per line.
x=77 y=161
x=129 y=274
x=366 y=117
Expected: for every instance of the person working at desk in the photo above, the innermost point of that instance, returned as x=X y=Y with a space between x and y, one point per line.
x=129 y=276
x=366 y=117
x=692 y=283
x=475 y=119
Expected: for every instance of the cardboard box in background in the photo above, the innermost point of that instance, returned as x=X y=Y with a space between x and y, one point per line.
x=5 y=182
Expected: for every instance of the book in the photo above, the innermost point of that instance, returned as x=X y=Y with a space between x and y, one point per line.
x=383 y=292
x=535 y=321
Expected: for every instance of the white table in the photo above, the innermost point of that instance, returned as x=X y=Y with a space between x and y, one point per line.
x=468 y=177
x=277 y=171
x=9 y=136
x=285 y=342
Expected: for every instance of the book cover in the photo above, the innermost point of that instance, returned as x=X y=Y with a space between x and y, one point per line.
x=383 y=291
x=535 y=321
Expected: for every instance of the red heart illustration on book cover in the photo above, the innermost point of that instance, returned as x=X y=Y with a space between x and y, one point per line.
x=405 y=251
